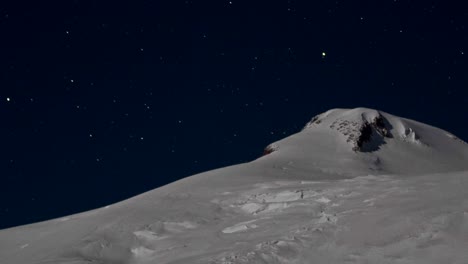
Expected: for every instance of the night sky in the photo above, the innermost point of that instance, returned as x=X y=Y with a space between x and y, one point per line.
x=103 y=100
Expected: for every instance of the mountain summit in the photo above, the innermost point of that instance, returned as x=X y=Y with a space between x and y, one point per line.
x=354 y=186
x=362 y=140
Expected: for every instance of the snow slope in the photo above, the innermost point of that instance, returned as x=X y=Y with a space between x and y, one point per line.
x=354 y=186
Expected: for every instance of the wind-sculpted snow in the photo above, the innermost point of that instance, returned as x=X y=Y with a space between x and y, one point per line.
x=314 y=199
x=385 y=219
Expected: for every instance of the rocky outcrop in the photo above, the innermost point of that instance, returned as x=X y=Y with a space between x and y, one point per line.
x=371 y=134
x=364 y=134
x=270 y=149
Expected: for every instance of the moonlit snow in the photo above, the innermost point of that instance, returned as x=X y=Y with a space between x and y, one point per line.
x=354 y=186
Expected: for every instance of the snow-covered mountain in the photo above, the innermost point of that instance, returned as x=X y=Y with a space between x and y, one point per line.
x=364 y=141
x=354 y=186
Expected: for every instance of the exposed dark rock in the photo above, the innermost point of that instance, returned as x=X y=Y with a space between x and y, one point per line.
x=365 y=136
x=269 y=149
x=371 y=135
x=380 y=125
x=315 y=120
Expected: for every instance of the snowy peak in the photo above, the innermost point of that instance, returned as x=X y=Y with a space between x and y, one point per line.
x=363 y=140
x=364 y=129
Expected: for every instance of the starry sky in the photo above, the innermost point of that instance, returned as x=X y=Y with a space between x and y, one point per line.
x=103 y=100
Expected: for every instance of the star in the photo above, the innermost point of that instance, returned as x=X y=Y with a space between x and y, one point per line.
x=324 y=54
x=8 y=99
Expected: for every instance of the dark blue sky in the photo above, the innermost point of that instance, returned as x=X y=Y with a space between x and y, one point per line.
x=103 y=100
